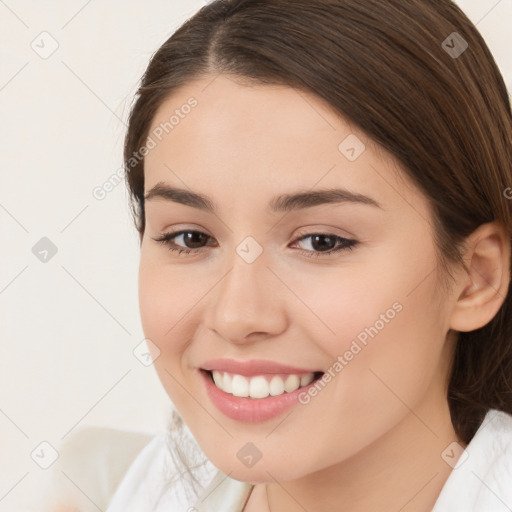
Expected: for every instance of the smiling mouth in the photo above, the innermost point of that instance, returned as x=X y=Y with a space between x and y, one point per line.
x=260 y=386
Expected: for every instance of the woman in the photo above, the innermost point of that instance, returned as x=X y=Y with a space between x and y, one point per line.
x=322 y=194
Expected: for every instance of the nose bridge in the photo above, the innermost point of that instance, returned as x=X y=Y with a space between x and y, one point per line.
x=243 y=288
x=246 y=300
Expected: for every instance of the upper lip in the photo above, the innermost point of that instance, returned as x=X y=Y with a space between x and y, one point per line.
x=252 y=367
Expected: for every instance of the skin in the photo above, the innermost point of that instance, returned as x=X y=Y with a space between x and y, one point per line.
x=372 y=439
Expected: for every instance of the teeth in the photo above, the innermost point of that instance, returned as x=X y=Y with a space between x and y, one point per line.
x=276 y=386
x=226 y=383
x=259 y=386
x=239 y=386
x=291 y=383
x=217 y=378
x=307 y=379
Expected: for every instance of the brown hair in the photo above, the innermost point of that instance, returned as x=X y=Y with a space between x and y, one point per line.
x=387 y=68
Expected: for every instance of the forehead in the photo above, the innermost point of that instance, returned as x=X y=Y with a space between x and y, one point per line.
x=261 y=138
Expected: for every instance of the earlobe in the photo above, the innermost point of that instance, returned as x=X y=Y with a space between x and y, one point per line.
x=486 y=282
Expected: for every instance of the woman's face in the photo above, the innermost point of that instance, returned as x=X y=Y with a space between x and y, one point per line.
x=272 y=279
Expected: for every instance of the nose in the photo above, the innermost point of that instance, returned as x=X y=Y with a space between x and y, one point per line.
x=248 y=303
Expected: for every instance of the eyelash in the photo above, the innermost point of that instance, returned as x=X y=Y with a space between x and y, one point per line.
x=166 y=240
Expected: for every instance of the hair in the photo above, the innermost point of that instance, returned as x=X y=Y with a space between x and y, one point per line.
x=385 y=67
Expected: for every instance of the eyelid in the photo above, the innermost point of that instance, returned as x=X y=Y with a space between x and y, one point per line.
x=326 y=230
x=345 y=244
x=176 y=230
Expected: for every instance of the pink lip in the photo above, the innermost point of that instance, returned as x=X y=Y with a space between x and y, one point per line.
x=252 y=367
x=251 y=410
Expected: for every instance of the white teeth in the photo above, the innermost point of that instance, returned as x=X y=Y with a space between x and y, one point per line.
x=259 y=386
x=276 y=386
x=239 y=386
x=306 y=379
x=291 y=383
x=217 y=378
x=226 y=384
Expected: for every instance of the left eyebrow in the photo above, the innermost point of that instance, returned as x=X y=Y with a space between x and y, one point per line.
x=281 y=203
x=309 y=198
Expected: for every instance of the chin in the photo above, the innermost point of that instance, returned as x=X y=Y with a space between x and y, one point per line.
x=263 y=471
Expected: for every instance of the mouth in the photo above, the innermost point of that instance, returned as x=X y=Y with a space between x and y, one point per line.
x=260 y=386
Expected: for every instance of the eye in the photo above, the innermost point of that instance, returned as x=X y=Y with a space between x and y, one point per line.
x=321 y=243
x=194 y=238
x=326 y=244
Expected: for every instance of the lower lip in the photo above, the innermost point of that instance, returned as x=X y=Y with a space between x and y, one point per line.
x=251 y=410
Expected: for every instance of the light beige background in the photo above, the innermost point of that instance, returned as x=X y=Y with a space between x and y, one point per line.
x=68 y=327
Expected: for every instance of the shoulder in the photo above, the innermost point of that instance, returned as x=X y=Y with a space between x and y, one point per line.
x=491 y=448
x=495 y=473
x=501 y=428
x=91 y=464
x=167 y=474
x=481 y=481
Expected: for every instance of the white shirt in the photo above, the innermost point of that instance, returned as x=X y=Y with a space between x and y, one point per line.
x=481 y=481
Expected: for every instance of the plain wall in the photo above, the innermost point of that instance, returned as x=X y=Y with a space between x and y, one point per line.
x=68 y=326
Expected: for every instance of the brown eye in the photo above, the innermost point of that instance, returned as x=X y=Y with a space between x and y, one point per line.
x=325 y=243
x=193 y=241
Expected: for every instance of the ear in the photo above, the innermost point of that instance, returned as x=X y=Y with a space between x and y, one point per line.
x=485 y=284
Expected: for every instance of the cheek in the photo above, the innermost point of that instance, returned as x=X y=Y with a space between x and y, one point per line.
x=384 y=334
x=385 y=304
x=154 y=303
x=381 y=311
x=164 y=299
x=385 y=347
x=350 y=307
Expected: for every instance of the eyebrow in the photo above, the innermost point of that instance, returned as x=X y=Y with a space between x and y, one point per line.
x=281 y=203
